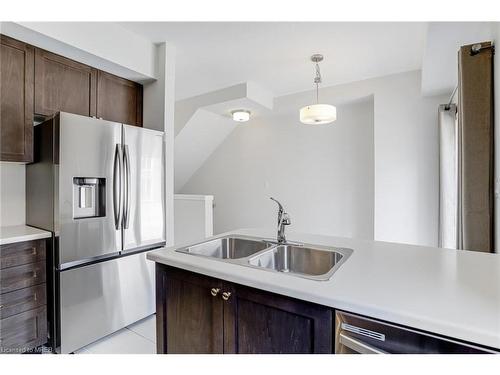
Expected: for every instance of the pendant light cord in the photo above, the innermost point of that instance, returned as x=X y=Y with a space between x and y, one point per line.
x=317 y=81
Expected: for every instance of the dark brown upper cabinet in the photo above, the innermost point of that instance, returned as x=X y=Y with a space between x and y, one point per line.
x=119 y=99
x=64 y=85
x=16 y=107
x=37 y=84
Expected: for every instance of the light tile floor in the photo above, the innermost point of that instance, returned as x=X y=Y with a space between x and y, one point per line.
x=138 y=338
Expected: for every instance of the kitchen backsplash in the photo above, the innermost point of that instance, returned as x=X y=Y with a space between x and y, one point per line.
x=12 y=194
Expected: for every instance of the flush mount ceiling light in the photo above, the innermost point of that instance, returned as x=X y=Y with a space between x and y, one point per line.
x=241 y=115
x=318 y=114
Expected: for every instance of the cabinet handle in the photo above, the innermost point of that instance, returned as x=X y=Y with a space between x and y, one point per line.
x=214 y=291
x=226 y=295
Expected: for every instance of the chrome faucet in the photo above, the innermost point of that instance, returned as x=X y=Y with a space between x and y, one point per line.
x=283 y=219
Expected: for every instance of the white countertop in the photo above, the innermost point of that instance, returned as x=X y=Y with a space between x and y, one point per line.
x=448 y=292
x=21 y=233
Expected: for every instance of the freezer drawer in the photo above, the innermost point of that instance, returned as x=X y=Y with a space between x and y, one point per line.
x=101 y=298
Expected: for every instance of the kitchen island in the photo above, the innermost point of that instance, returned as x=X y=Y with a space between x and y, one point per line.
x=455 y=294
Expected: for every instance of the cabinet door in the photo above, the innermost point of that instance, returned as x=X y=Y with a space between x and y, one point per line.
x=119 y=99
x=258 y=322
x=24 y=331
x=64 y=85
x=189 y=318
x=16 y=107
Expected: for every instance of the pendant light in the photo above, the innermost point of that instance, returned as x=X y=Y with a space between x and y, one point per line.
x=318 y=114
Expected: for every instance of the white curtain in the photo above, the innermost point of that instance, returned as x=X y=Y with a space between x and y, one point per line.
x=448 y=177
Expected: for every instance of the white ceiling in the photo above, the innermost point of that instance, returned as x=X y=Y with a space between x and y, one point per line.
x=276 y=55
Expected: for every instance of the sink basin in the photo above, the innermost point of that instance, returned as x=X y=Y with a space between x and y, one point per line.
x=227 y=248
x=312 y=262
x=308 y=262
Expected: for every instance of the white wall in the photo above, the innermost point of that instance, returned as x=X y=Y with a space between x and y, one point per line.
x=323 y=175
x=444 y=39
x=158 y=114
x=103 y=45
x=496 y=77
x=203 y=133
x=193 y=218
x=405 y=177
x=406 y=161
x=12 y=194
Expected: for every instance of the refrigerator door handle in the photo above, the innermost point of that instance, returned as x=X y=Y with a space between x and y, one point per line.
x=126 y=207
x=117 y=186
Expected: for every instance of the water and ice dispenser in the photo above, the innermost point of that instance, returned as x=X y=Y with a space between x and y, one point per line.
x=89 y=197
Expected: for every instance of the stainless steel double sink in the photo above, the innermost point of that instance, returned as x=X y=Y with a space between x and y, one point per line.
x=303 y=260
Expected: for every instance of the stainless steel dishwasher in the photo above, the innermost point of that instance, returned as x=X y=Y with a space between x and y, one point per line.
x=356 y=334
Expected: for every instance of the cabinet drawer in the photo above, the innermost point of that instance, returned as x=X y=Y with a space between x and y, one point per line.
x=20 y=253
x=24 y=331
x=22 y=300
x=19 y=277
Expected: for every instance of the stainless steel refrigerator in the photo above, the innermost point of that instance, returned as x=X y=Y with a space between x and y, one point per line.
x=99 y=187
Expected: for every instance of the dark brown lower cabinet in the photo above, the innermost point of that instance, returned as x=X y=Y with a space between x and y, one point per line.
x=189 y=318
x=23 y=296
x=261 y=322
x=25 y=331
x=199 y=314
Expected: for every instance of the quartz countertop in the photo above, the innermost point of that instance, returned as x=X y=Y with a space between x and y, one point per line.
x=444 y=291
x=21 y=233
